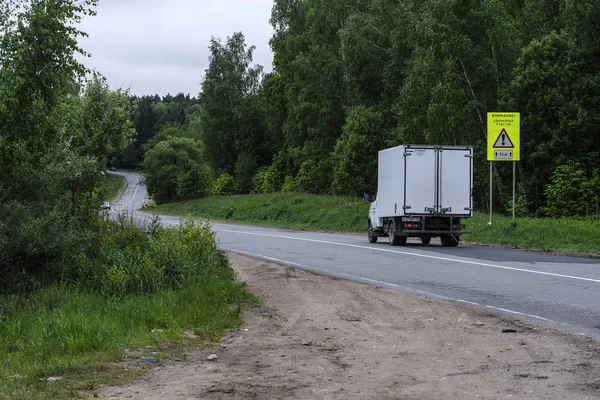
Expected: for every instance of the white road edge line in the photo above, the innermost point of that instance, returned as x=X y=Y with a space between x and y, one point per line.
x=416 y=255
x=373 y=281
x=381 y=283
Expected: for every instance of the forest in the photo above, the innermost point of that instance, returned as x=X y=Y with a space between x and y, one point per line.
x=349 y=78
x=352 y=77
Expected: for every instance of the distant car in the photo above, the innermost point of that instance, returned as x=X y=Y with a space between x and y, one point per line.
x=113 y=169
x=105 y=205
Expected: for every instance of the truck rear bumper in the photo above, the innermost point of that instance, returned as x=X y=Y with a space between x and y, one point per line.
x=420 y=233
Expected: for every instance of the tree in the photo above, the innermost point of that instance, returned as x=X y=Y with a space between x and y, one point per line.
x=229 y=85
x=174 y=170
x=55 y=133
x=558 y=100
x=355 y=155
x=571 y=193
x=308 y=57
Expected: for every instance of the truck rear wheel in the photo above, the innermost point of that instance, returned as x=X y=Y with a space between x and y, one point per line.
x=370 y=234
x=449 y=240
x=395 y=240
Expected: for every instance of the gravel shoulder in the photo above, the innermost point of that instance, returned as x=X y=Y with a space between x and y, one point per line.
x=317 y=337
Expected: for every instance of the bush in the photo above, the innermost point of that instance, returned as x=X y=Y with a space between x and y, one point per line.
x=521 y=210
x=570 y=193
x=195 y=183
x=130 y=261
x=315 y=177
x=265 y=181
x=289 y=184
x=225 y=185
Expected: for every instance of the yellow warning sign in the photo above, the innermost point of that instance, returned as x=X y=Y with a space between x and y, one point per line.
x=504 y=133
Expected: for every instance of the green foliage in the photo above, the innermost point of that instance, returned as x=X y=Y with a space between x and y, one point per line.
x=346 y=214
x=558 y=104
x=355 y=155
x=196 y=183
x=225 y=185
x=286 y=210
x=106 y=126
x=570 y=192
x=151 y=115
x=563 y=235
x=56 y=132
x=114 y=184
x=82 y=337
x=314 y=176
x=130 y=261
x=174 y=169
x=245 y=168
x=266 y=181
x=520 y=207
x=232 y=114
x=289 y=184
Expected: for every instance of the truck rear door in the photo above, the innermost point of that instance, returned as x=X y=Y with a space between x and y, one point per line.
x=420 y=180
x=455 y=181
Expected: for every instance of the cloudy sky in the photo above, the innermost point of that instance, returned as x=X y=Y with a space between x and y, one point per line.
x=161 y=46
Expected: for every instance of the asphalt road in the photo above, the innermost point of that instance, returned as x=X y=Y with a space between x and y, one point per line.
x=546 y=290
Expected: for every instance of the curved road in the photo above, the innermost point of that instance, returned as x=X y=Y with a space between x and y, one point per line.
x=552 y=291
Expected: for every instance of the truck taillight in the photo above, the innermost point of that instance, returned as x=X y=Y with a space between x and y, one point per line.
x=459 y=227
x=412 y=226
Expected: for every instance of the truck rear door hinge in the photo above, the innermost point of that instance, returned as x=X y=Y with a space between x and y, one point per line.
x=468 y=208
x=446 y=209
x=430 y=209
x=406 y=207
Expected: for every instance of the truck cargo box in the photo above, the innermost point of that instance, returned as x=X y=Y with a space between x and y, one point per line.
x=422 y=191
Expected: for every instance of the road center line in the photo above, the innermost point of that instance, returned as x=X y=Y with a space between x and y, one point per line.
x=580 y=278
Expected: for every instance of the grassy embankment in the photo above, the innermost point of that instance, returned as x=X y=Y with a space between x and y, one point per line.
x=65 y=340
x=337 y=214
x=114 y=185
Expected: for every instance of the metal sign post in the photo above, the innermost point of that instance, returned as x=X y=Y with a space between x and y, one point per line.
x=514 y=186
x=504 y=137
x=491 y=191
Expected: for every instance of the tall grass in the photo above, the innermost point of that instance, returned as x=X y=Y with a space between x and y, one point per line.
x=62 y=332
x=138 y=289
x=341 y=214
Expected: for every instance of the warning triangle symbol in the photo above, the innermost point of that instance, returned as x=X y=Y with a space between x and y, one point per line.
x=503 y=141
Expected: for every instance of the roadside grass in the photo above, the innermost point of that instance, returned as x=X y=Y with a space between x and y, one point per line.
x=285 y=210
x=76 y=336
x=345 y=214
x=114 y=185
x=165 y=288
x=562 y=235
x=132 y=170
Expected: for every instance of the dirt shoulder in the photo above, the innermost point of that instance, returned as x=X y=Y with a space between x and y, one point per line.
x=317 y=337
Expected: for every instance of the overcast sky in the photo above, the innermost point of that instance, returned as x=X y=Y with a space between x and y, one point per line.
x=161 y=46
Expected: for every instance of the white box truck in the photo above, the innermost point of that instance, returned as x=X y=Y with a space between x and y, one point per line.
x=422 y=191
